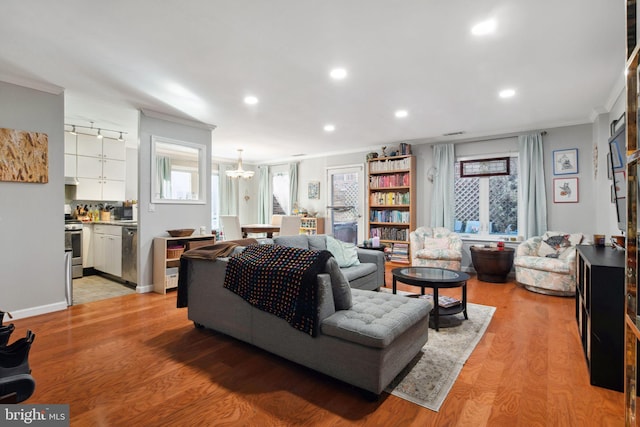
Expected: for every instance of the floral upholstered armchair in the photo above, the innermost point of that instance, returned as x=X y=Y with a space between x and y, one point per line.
x=435 y=247
x=547 y=264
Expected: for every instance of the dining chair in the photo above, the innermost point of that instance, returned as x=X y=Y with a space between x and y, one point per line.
x=231 y=227
x=276 y=219
x=290 y=225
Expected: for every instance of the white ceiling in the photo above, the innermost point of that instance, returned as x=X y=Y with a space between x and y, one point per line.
x=198 y=58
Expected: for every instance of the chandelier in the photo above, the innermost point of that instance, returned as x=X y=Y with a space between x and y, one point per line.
x=239 y=172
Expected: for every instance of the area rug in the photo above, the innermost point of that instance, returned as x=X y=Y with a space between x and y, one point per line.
x=427 y=379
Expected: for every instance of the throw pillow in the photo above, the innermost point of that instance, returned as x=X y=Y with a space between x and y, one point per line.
x=345 y=253
x=554 y=246
x=297 y=241
x=442 y=243
x=339 y=285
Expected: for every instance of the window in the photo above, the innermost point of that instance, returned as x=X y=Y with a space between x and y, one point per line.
x=280 y=190
x=487 y=206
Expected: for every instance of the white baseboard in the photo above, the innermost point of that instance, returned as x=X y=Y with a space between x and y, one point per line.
x=140 y=289
x=35 y=311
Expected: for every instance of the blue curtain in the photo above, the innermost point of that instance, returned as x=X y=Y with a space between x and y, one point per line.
x=293 y=186
x=443 y=197
x=532 y=196
x=264 y=195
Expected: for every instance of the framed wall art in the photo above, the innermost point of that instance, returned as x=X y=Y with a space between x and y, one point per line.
x=565 y=162
x=565 y=190
x=313 y=190
x=484 y=167
x=616 y=156
x=25 y=156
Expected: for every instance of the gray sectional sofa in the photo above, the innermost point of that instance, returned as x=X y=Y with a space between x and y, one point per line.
x=365 y=338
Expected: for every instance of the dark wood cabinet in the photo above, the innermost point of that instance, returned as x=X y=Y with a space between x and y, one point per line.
x=600 y=313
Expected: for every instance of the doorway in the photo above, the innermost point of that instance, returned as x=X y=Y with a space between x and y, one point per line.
x=346 y=203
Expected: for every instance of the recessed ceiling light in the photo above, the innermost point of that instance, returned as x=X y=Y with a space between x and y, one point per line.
x=507 y=93
x=401 y=113
x=251 y=100
x=484 y=27
x=329 y=128
x=338 y=73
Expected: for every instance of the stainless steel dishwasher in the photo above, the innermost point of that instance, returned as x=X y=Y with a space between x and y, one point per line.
x=130 y=253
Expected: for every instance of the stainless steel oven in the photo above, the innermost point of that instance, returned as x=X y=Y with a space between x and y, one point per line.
x=73 y=243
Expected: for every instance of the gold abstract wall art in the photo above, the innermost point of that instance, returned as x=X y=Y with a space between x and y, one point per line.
x=24 y=156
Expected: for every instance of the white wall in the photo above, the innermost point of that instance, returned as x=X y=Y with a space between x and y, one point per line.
x=131 y=183
x=166 y=216
x=31 y=215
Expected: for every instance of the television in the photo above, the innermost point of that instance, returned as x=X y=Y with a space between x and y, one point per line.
x=617 y=172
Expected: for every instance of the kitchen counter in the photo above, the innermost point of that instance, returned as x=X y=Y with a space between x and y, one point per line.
x=127 y=222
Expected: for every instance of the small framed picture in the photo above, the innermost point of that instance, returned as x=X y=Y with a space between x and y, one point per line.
x=565 y=162
x=565 y=190
x=313 y=190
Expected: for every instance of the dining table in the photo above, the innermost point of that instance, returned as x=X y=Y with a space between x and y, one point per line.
x=269 y=229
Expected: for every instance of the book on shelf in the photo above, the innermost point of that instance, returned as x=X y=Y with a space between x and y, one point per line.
x=444 y=301
x=400 y=252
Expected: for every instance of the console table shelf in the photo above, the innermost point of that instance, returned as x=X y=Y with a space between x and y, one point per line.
x=161 y=260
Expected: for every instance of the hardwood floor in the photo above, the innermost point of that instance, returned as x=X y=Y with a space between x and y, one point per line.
x=137 y=361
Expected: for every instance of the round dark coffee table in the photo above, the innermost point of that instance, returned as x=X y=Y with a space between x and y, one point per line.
x=435 y=278
x=492 y=264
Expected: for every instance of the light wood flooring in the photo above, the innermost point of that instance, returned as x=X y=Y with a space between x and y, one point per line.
x=137 y=361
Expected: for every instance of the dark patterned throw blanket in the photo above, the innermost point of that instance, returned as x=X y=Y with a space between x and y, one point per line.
x=279 y=280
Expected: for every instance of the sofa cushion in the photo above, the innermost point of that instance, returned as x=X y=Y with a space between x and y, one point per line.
x=339 y=285
x=345 y=253
x=442 y=243
x=543 y=264
x=446 y=254
x=357 y=271
x=298 y=241
x=317 y=242
x=376 y=319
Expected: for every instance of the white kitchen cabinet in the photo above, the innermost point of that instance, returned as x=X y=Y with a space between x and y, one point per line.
x=70 y=169
x=107 y=253
x=70 y=144
x=89 y=189
x=87 y=245
x=112 y=190
x=101 y=169
x=89 y=146
x=113 y=149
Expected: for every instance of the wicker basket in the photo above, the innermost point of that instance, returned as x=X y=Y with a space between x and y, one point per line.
x=174 y=252
x=171 y=278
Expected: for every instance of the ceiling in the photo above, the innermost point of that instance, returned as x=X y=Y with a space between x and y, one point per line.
x=198 y=59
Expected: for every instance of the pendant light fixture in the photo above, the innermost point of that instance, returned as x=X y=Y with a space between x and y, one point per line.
x=100 y=133
x=239 y=172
